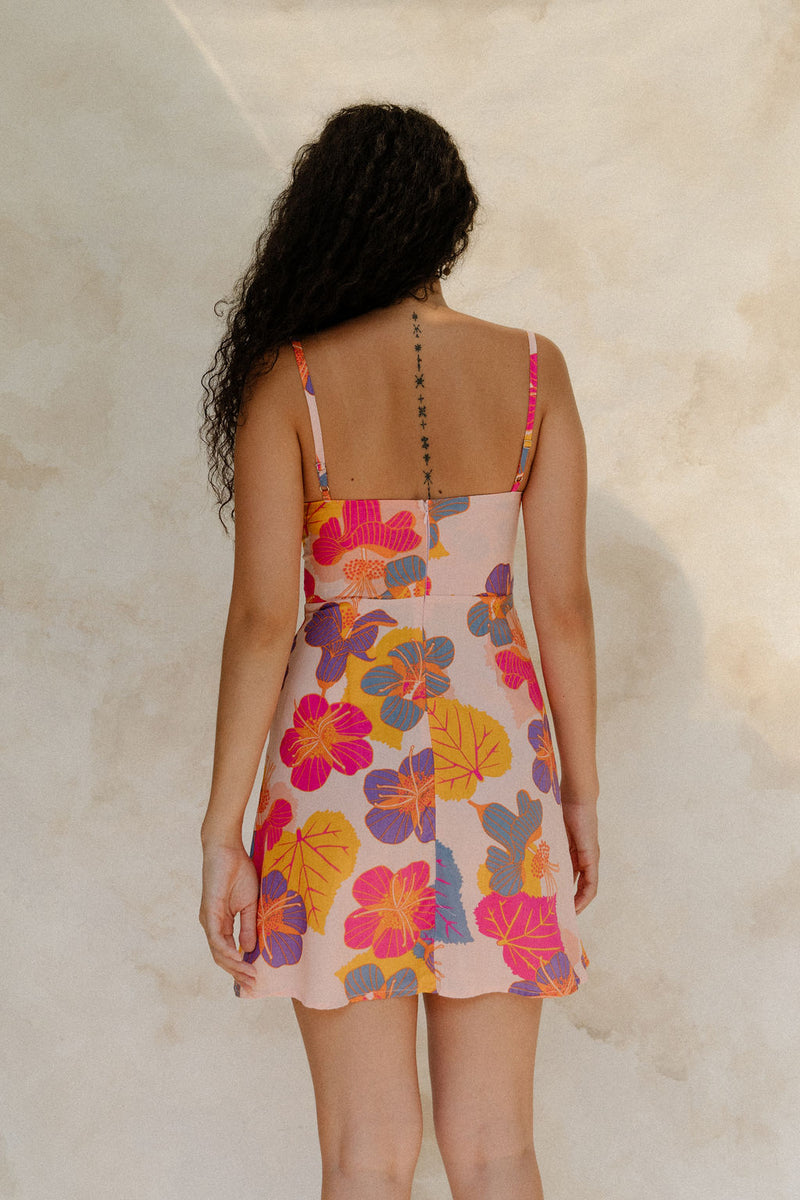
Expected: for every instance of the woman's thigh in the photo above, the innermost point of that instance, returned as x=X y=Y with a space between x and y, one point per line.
x=363 y=1062
x=482 y=1051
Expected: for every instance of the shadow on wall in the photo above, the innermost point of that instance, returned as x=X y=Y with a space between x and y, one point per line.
x=687 y=842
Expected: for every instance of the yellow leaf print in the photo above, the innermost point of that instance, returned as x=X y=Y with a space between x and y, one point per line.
x=315 y=861
x=467 y=745
x=317 y=512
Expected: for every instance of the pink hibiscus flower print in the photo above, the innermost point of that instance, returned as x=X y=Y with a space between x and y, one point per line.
x=395 y=907
x=309 y=586
x=274 y=813
x=514 y=662
x=361 y=525
x=325 y=737
x=516 y=668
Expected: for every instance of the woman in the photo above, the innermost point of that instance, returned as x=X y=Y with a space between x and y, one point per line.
x=412 y=836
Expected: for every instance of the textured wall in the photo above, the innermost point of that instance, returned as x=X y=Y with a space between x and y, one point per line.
x=638 y=170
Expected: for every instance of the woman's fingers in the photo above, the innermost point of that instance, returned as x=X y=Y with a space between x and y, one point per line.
x=247 y=926
x=587 y=887
x=225 y=954
x=230 y=885
x=580 y=821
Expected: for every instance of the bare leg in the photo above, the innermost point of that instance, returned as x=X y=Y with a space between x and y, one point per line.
x=369 y=1114
x=482 y=1051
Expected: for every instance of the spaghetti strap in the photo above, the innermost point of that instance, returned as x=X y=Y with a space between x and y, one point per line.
x=528 y=438
x=313 y=412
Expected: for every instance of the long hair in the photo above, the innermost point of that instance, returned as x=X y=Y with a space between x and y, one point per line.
x=376 y=207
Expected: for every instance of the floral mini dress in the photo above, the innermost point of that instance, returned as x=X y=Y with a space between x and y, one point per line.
x=409 y=835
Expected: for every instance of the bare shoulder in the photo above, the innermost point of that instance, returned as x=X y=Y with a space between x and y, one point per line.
x=553 y=373
x=554 y=386
x=276 y=393
x=552 y=367
x=550 y=355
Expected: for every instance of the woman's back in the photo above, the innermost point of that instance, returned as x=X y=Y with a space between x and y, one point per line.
x=416 y=400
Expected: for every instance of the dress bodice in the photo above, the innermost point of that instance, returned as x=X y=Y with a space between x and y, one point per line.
x=395 y=549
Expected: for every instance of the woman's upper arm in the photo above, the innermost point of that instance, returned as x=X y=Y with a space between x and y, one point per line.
x=554 y=499
x=268 y=498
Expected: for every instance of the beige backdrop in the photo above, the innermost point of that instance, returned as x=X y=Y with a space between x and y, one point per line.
x=638 y=171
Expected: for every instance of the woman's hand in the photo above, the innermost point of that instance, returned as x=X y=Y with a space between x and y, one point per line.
x=580 y=819
x=230 y=885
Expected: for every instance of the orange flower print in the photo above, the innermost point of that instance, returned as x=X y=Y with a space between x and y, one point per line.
x=542 y=867
x=365 y=576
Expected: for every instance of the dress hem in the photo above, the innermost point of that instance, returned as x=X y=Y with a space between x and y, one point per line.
x=289 y=995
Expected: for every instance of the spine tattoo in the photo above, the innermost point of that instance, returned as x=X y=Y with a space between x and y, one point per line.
x=422 y=411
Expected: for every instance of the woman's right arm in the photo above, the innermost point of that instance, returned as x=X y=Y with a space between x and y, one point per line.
x=554 y=515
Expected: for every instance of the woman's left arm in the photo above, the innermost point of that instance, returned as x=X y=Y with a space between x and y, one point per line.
x=262 y=618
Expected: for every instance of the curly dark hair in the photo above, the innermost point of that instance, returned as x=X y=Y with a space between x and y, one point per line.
x=376 y=207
